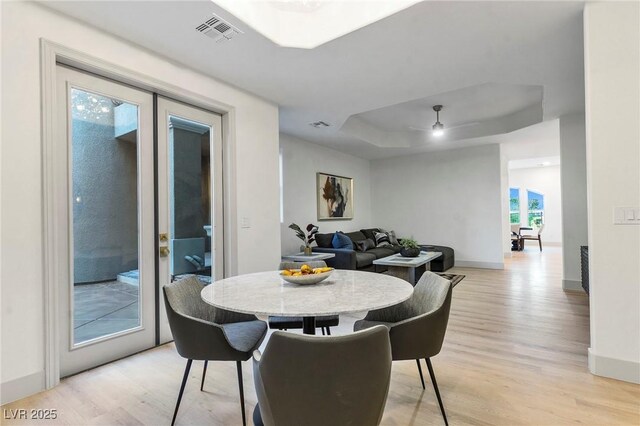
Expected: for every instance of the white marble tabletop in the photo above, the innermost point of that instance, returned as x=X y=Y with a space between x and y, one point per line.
x=301 y=257
x=412 y=262
x=266 y=293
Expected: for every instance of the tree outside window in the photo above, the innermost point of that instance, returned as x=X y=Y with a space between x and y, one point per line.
x=535 y=211
x=514 y=205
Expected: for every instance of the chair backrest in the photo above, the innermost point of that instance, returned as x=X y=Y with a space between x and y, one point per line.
x=318 y=381
x=298 y=265
x=515 y=228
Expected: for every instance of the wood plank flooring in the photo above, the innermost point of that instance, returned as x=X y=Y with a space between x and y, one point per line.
x=514 y=354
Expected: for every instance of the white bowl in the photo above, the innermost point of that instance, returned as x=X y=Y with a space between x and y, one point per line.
x=306 y=279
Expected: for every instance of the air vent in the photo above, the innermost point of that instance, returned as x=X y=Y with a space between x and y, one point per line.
x=218 y=29
x=319 y=124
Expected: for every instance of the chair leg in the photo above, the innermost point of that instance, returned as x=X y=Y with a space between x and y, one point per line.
x=328 y=331
x=540 y=243
x=322 y=328
x=435 y=387
x=204 y=374
x=184 y=382
x=420 y=371
x=239 y=367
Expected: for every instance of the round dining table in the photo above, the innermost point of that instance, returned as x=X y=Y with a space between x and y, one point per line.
x=267 y=294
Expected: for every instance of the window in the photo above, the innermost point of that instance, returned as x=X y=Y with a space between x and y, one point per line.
x=535 y=211
x=514 y=205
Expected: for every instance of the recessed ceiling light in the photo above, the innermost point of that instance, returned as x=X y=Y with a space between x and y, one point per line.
x=309 y=23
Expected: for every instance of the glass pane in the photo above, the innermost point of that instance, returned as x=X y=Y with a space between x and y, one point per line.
x=536 y=200
x=105 y=216
x=514 y=218
x=514 y=199
x=190 y=199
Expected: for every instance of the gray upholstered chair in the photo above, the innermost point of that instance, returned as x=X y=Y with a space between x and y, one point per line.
x=202 y=332
x=284 y=323
x=319 y=381
x=417 y=326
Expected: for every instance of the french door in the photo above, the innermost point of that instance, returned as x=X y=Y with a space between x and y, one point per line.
x=189 y=196
x=124 y=232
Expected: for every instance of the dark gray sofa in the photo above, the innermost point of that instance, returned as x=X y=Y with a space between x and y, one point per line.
x=363 y=261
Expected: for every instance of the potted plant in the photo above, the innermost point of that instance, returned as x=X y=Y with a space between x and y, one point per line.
x=410 y=247
x=307 y=238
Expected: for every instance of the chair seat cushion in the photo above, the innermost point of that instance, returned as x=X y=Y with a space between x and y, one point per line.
x=245 y=336
x=362 y=324
x=296 y=322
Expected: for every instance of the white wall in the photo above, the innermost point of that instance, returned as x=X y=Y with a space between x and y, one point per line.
x=301 y=161
x=255 y=165
x=612 y=67
x=451 y=198
x=573 y=177
x=546 y=181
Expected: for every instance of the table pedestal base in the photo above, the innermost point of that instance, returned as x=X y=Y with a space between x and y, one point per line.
x=408 y=273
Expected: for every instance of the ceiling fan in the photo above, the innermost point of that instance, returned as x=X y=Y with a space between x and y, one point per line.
x=438 y=128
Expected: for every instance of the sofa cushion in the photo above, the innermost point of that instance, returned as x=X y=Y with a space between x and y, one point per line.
x=370 y=232
x=364 y=259
x=381 y=252
x=355 y=236
x=395 y=248
x=324 y=240
x=341 y=241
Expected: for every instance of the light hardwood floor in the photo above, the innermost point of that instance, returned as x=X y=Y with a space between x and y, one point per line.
x=514 y=354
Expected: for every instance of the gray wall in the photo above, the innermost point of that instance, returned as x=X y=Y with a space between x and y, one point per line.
x=573 y=178
x=105 y=228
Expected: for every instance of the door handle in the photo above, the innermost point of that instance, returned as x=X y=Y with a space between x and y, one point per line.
x=164 y=251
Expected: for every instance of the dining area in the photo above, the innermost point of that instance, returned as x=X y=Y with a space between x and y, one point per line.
x=304 y=373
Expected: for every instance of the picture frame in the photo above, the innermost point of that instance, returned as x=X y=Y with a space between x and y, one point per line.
x=334 y=196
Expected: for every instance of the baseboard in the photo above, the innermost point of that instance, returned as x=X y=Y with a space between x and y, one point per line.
x=619 y=369
x=21 y=387
x=572 y=285
x=481 y=265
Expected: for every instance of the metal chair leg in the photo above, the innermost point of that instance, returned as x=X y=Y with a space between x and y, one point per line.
x=322 y=330
x=184 y=382
x=435 y=387
x=540 y=242
x=204 y=373
x=328 y=331
x=420 y=370
x=239 y=367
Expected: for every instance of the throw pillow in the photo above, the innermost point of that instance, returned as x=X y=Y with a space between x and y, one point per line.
x=392 y=238
x=341 y=241
x=324 y=240
x=365 y=245
x=382 y=239
x=370 y=233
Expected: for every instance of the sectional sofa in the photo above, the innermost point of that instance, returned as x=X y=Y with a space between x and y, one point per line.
x=358 y=260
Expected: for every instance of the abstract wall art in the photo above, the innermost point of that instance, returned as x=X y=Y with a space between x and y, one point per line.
x=335 y=197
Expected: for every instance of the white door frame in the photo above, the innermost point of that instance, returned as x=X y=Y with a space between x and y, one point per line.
x=52 y=53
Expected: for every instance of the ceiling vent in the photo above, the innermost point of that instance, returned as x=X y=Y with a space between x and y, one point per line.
x=218 y=29
x=319 y=124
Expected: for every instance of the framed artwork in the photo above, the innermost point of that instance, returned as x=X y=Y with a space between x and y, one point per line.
x=334 y=197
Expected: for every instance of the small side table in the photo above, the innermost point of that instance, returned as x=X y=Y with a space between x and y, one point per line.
x=301 y=257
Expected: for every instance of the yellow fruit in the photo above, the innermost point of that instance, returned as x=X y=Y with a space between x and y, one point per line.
x=287 y=272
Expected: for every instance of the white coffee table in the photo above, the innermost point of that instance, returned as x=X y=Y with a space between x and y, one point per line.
x=301 y=257
x=408 y=268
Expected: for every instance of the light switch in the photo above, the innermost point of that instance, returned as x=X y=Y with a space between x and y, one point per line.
x=629 y=214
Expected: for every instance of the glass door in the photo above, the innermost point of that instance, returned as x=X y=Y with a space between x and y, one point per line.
x=189 y=196
x=105 y=155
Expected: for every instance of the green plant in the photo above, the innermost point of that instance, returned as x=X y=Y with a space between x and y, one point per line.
x=409 y=243
x=307 y=238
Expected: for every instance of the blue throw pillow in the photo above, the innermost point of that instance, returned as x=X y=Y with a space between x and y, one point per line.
x=341 y=241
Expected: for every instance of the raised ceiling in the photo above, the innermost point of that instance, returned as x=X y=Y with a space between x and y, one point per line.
x=429 y=49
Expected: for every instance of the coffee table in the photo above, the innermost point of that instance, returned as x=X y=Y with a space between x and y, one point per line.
x=408 y=268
